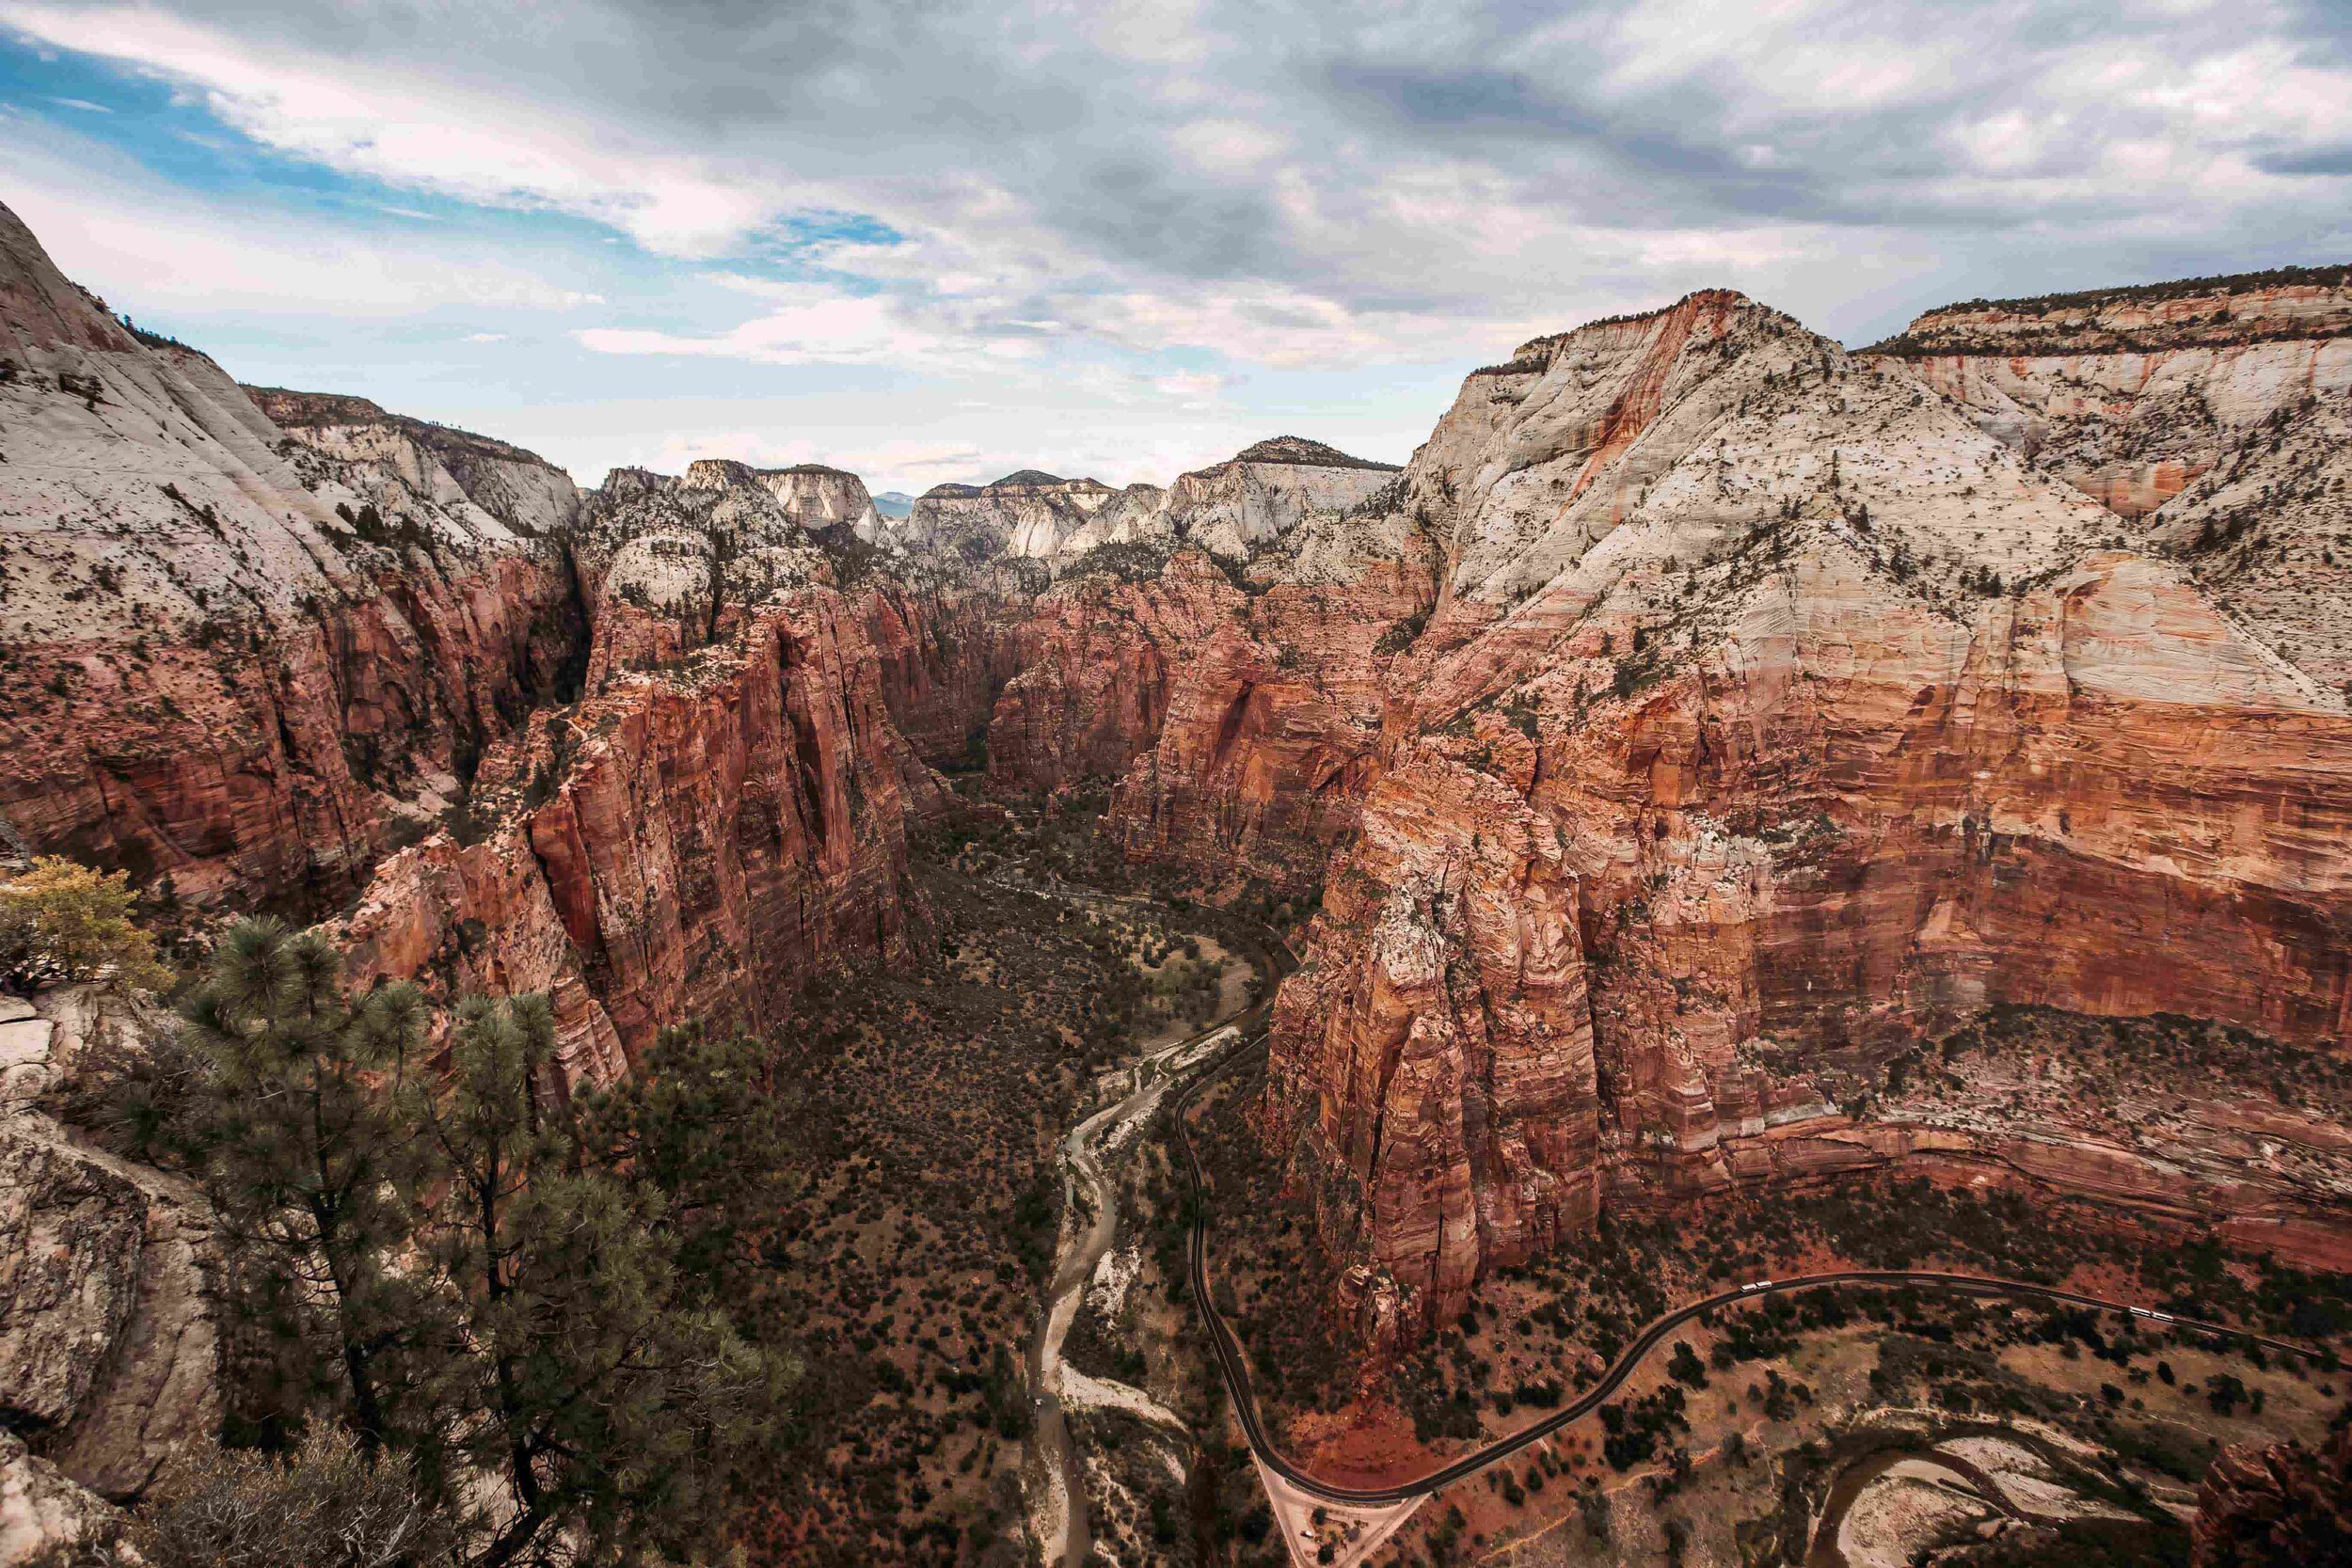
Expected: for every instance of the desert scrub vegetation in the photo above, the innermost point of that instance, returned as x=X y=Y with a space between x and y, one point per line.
x=324 y=1504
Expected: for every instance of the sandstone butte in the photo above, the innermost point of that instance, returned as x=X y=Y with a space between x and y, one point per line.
x=1705 y=710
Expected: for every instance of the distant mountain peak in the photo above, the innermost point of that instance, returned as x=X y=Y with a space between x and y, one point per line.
x=1298 y=449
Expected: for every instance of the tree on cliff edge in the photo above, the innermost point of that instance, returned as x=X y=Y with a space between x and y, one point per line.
x=304 y=1132
x=440 y=1263
x=608 y=1405
x=62 y=922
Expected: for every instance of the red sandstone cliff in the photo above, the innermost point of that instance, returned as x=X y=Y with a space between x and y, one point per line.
x=722 y=815
x=1702 y=715
x=2283 y=1504
x=239 y=657
x=1772 y=711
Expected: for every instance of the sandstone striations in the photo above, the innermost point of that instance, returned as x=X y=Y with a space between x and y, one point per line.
x=1770 y=710
x=720 y=815
x=2211 y=414
x=242 y=657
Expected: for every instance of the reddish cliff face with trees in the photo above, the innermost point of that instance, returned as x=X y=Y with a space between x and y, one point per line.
x=1706 y=717
x=243 y=657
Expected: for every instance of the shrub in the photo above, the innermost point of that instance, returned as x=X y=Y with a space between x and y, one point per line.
x=324 y=1507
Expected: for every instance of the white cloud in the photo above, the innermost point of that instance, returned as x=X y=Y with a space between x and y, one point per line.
x=423 y=131
x=1192 y=388
x=146 y=246
x=486 y=337
x=817 y=328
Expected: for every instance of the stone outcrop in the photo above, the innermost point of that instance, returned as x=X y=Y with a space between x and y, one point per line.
x=42 y=1513
x=2285 y=1503
x=818 y=498
x=242 y=657
x=108 y=1358
x=1767 y=702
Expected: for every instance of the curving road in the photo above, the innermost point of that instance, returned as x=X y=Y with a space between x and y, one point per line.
x=1237 y=1370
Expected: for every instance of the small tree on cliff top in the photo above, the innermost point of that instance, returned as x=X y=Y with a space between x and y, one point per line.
x=62 y=923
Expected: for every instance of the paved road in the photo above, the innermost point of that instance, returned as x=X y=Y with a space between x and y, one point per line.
x=1246 y=1403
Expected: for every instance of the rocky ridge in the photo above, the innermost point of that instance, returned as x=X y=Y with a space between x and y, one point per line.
x=2209 y=414
x=1770 y=710
x=1026 y=515
x=108 y=1348
x=239 y=657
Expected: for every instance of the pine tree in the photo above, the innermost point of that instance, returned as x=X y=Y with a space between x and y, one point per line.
x=466 y=1272
x=304 y=1136
x=608 y=1405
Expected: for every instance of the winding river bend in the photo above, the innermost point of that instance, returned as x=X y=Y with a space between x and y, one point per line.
x=1058 y=1504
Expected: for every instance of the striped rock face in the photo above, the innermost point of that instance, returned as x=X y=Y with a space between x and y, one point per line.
x=1771 y=713
x=247 y=655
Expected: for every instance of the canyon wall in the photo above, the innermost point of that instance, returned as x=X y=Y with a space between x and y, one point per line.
x=1770 y=712
x=1219 y=654
x=720 y=817
x=639 y=744
x=244 y=658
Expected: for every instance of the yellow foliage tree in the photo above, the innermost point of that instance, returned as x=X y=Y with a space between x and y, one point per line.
x=62 y=923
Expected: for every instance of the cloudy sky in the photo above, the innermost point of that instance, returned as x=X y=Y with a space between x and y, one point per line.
x=937 y=241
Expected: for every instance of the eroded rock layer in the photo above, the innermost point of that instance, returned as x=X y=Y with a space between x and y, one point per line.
x=1770 y=712
x=1704 y=717
x=243 y=657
